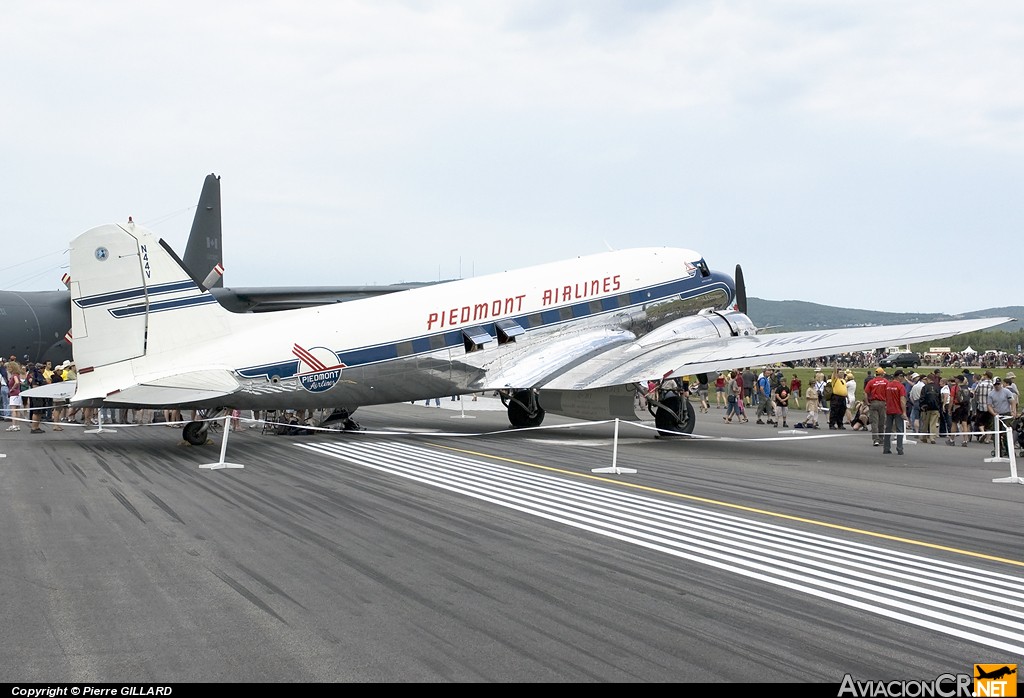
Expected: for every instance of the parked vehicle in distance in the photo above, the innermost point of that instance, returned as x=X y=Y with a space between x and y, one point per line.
x=903 y=359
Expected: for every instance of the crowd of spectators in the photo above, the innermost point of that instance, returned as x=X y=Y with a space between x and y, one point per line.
x=952 y=359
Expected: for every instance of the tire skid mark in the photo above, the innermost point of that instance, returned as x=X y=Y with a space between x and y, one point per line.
x=163 y=505
x=248 y=595
x=126 y=504
x=270 y=586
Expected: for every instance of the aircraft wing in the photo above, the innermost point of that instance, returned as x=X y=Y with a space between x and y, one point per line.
x=636 y=361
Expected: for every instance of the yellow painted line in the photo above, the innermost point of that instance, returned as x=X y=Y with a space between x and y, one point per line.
x=740 y=507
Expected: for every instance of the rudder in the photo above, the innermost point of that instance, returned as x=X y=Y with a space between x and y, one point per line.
x=126 y=286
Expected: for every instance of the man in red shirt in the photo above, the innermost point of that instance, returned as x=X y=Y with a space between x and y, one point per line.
x=874 y=392
x=895 y=412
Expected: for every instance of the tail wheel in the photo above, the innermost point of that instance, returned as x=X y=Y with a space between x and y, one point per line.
x=524 y=410
x=674 y=416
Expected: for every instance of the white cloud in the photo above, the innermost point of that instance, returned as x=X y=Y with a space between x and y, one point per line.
x=396 y=138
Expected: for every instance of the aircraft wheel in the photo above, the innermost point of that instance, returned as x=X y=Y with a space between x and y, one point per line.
x=672 y=419
x=195 y=433
x=519 y=416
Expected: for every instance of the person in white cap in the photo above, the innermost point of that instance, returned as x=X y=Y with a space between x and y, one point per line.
x=1010 y=385
x=851 y=396
x=914 y=402
x=1002 y=406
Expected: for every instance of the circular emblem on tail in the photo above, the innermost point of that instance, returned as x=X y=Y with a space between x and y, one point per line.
x=102 y=254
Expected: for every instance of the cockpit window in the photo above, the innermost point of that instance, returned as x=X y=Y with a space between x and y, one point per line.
x=702 y=266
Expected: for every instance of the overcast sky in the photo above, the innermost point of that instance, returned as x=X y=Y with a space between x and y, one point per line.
x=851 y=153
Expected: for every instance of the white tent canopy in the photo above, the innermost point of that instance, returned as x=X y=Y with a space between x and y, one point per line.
x=968 y=350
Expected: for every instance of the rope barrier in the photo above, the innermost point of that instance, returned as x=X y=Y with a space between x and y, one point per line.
x=255 y=423
x=787 y=435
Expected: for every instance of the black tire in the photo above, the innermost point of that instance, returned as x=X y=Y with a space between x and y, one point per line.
x=195 y=433
x=667 y=422
x=518 y=416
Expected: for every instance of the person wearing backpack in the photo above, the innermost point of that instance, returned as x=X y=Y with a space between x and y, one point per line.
x=930 y=401
x=960 y=396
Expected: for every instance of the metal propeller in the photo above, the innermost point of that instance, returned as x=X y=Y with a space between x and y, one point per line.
x=741 y=291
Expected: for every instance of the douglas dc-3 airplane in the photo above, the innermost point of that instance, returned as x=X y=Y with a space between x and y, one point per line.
x=572 y=338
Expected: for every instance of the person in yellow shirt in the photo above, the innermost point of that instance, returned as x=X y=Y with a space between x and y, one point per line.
x=837 y=403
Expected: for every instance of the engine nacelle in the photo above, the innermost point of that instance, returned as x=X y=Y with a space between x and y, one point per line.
x=706 y=324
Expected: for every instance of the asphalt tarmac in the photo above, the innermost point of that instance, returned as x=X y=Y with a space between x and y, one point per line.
x=439 y=545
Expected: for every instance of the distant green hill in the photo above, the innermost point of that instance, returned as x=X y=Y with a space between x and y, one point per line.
x=801 y=315
x=793 y=316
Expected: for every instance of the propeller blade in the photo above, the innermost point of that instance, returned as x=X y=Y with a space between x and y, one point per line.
x=741 y=291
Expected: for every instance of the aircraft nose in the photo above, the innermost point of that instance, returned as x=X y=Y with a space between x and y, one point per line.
x=719 y=277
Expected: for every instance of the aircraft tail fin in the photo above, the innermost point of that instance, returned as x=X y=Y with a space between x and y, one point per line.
x=203 y=253
x=131 y=297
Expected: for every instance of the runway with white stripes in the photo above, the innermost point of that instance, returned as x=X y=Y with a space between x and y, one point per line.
x=438 y=545
x=967 y=602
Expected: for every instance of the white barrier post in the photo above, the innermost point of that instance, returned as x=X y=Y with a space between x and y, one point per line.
x=223 y=450
x=462 y=409
x=1013 y=472
x=1014 y=478
x=99 y=424
x=615 y=455
x=997 y=458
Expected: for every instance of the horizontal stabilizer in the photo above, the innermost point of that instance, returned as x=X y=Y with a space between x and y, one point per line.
x=62 y=390
x=182 y=388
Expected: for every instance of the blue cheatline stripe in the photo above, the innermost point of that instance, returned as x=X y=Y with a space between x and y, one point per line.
x=137 y=292
x=142 y=309
x=423 y=344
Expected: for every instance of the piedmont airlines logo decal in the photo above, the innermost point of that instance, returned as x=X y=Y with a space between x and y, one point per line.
x=319 y=368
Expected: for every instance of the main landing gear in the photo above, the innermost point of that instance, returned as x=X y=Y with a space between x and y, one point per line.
x=673 y=413
x=197 y=433
x=343 y=416
x=524 y=408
